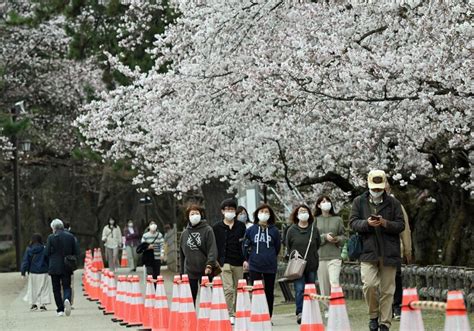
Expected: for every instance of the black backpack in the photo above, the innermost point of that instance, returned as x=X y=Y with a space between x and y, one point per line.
x=354 y=245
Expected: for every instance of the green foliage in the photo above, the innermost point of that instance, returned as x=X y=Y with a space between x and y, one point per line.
x=86 y=154
x=11 y=128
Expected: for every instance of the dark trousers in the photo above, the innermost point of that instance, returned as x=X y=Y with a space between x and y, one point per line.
x=194 y=284
x=269 y=286
x=65 y=281
x=154 y=269
x=397 y=296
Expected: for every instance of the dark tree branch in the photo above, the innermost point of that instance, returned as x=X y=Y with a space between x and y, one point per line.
x=285 y=165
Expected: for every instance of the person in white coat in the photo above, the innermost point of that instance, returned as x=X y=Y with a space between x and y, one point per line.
x=112 y=238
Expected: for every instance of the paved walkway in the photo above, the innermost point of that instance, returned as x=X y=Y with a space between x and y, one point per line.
x=15 y=314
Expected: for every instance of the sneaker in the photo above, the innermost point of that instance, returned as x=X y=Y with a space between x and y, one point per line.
x=60 y=313
x=67 y=307
x=396 y=314
x=43 y=308
x=232 y=320
x=33 y=307
x=374 y=324
x=383 y=327
x=298 y=318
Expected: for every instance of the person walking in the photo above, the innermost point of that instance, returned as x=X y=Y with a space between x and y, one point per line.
x=132 y=239
x=60 y=244
x=405 y=249
x=35 y=263
x=154 y=254
x=198 y=250
x=378 y=218
x=229 y=234
x=112 y=239
x=302 y=238
x=243 y=216
x=332 y=232
x=261 y=246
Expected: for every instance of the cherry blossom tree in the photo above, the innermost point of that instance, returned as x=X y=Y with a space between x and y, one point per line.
x=274 y=92
x=298 y=95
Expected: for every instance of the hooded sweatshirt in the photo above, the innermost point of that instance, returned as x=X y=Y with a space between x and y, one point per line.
x=35 y=260
x=261 y=248
x=195 y=241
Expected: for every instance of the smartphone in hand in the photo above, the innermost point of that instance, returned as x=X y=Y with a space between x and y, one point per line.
x=375 y=217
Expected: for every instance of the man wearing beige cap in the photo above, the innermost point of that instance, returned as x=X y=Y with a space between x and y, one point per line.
x=378 y=218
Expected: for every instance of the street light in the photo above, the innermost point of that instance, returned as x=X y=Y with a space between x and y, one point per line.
x=17 y=110
x=146 y=201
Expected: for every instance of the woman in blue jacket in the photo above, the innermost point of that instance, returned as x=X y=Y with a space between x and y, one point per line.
x=35 y=262
x=261 y=247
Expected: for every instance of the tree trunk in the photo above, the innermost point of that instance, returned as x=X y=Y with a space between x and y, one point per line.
x=214 y=193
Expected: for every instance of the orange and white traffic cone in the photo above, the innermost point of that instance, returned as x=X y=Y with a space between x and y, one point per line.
x=95 y=284
x=219 y=316
x=103 y=289
x=136 y=305
x=205 y=297
x=99 y=262
x=111 y=293
x=187 y=313
x=124 y=260
x=259 y=314
x=175 y=300
x=311 y=319
x=456 y=315
x=127 y=304
x=149 y=303
x=119 y=299
x=338 y=319
x=410 y=319
x=242 y=311
x=160 y=311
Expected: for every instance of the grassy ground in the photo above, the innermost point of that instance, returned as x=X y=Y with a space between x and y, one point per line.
x=358 y=317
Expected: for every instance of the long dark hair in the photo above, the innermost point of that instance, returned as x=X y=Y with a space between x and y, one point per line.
x=294 y=214
x=272 y=218
x=36 y=239
x=318 y=211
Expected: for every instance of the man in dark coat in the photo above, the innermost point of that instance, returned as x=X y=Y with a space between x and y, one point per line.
x=60 y=244
x=378 y=218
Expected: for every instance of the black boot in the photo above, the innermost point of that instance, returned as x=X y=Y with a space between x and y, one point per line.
x=374 y=324
x=383 y=327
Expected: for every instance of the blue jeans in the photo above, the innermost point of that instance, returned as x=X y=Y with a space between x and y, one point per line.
x=308 y=277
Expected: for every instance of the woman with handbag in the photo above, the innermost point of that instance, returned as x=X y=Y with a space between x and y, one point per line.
x=333 y=238
x=261 y=246
x=302 y=241
x=154 y=252
x=198 y=249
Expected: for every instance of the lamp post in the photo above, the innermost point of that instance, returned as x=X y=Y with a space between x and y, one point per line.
x=146 y=201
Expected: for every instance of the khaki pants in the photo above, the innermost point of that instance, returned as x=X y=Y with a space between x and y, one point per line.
x=328 y=275
x=230 y=279
x=377 y=277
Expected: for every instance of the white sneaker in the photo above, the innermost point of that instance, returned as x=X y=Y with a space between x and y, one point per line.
x=60 y=313
x=67 y=307
x=232 y=320
x=326 y=314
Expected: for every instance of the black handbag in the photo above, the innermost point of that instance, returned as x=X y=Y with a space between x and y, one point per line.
x=148 y=255
x=70 y=262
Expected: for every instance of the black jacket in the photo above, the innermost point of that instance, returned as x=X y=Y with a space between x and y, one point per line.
x=197 y=249
x=59 y=245
x=391 y=210
x=223 y=234
x=298 y=238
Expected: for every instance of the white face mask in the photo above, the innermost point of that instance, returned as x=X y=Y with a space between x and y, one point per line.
x=242 y=218
x=229 y=215
x=130 y=225
x=326 y=206
x=304 y=216
x=153 y=227
x=375 y=194
x=263 y=217
x=194 y=219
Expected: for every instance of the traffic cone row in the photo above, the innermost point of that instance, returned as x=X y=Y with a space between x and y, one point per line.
x=98 y=262
x=149 y=303
x=161 y=311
